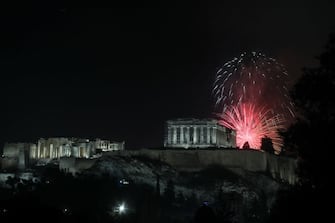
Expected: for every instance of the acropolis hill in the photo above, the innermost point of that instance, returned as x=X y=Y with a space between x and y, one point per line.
x=189 y=145
x=279 y=167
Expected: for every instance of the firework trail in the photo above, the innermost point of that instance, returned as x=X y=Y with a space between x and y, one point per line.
x=251 y=97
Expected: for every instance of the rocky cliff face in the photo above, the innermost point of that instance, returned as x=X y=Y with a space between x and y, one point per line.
x=279 y=167
x=245 y=195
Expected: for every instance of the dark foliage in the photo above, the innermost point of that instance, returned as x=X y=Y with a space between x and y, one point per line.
x=169 y=193
x=204 y=214
x=311 y=138
x=301 y=204
x=267 y=145
x=313 y=134
x=246 y=145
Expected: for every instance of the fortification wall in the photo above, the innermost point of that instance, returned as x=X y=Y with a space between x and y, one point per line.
x=281 y=168
x=75 y=165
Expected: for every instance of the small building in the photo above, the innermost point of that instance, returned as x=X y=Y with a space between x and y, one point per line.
x=16 y=155
x=198 y=133
x=107 y=146
x=19 y=156
x=55 y=148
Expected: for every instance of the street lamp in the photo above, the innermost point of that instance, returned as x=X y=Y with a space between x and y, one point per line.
x=120 y=209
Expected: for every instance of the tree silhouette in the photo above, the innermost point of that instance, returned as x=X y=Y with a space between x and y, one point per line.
x=180 y=197
x=246 y=145
x=12 y=181
x=267 y=145
x=169 y=192
x=311 y=137
x=204 y=214
x=314 y=96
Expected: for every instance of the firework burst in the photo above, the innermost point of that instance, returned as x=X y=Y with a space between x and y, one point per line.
x=252 y=124
x=251 y=97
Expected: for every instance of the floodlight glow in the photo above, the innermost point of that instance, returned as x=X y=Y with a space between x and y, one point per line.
x=122 y=209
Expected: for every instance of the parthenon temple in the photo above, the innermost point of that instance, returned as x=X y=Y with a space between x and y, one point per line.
x=196 y=133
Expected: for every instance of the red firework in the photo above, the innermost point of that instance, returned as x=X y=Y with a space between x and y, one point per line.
x=252 y=124
x=251 y=97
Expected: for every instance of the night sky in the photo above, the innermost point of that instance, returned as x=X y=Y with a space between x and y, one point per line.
x=119 y=73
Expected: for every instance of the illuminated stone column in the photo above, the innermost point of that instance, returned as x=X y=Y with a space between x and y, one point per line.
x=66 y=150
x=195 y=140
x=208 y=135
x=38 y=150
x=181 y=134
x=56 y=152
x=60 y=152
x=201 y=134
x=214 y=135
x=169 y=136
x=174 y=135
x=188 y=135
x=44 y=151
x=87 y=152
x=51 y=150
x=32 y=152
x=84 y=154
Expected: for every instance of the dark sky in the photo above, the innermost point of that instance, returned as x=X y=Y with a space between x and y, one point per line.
x=119 y=73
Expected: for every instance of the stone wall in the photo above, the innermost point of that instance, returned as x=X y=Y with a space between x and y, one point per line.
x=16 y=155
x=75 y=165
x=281 y=168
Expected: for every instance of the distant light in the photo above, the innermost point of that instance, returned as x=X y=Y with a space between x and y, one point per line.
x=65 y=211
x=124 y=182
x=122 y=209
